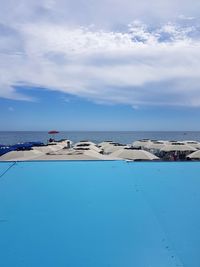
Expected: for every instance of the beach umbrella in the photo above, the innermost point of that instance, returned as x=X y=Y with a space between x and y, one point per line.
x=22 y=146
x=194 y=155
x=95 y=154
x=64 y=143
x=21 y=155
x=82 y=143
x=155 y=145
x=134 y=154
x=5 y=149
x=194 y=144
x=86 y=145
x=112 y=148
x=141 y=143
x=179 y=147
x=48 y=148
x=53 y=132
x=105 y=143
x=72 y=154
x=109 y=143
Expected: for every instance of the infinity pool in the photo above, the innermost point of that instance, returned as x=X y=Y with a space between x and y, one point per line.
x=99 y=214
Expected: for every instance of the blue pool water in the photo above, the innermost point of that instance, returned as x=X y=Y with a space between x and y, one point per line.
x=96 y=214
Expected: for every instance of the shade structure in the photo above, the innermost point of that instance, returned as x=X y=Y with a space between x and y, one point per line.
x=134 y=154
x=177 y=147
x=53 y=132
x=94 y=154
x=105 y=143
x=141 y=143
x=4 y=150
x=192 y=143
x=72 y=154
x=87 y=146
x=65 y=142
x=90 y=147
x=21 y=155
x=194 y=155
x=49 y=148
x=85 y=143
x=155 y=145
x=112 y=148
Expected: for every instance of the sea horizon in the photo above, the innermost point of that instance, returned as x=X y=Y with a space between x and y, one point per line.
x=124 y=137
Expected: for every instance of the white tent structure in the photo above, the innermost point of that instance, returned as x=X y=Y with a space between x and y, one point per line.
x=96 y=155
x=194 y=144
x=48 y=148
x=94 y=148
x=65 y=143
x=112 y=148
x=195 y=155
x=141 y=143
x=177 y=147
x=105 y=143
x=21 y=155
x=86 y=146
x=84 y=143
x=134 y=154
x=156 y=145
x=72 y=154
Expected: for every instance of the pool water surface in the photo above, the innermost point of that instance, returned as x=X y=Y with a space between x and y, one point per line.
x=99 y=213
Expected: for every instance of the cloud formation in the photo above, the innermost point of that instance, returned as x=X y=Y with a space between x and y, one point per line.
x=137 y=65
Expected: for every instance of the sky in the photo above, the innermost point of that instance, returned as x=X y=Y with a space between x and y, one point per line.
x=99 y=65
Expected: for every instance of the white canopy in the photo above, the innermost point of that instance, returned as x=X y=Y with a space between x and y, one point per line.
x=89 y=146
x=134 y=154
x=194 y=155
x=84 y=143
x=105 y=143
x=48 y=149
x=177 y=147
x=112 y=148
x=141 y=143
x=192 y=143
x=155 y=145
x=71 y=154
x=21 y=155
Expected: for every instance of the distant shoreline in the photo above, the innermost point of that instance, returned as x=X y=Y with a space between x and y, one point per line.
x=108 y=131
x=124 y=137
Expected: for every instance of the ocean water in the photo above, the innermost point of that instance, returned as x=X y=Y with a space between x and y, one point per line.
x=125 y=137
x=96 y=214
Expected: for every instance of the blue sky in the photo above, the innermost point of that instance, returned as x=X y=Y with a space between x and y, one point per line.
x=99 y=65
x=55 y=110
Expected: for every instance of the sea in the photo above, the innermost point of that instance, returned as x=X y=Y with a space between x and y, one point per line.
x=124 y=137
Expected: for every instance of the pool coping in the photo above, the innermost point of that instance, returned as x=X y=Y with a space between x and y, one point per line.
x=112 y=160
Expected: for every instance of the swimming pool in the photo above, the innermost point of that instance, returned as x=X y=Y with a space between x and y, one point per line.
x=96 y=214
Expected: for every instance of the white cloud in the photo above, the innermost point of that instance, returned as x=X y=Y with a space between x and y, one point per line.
x=140 y=66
